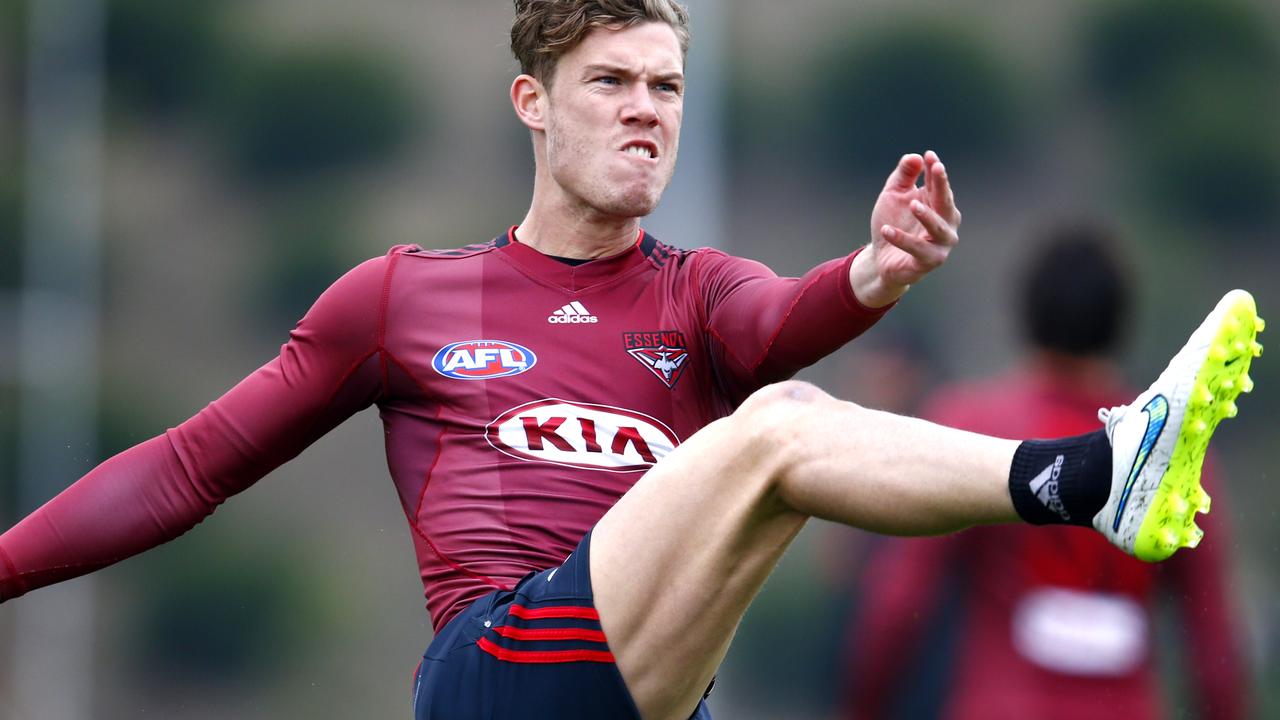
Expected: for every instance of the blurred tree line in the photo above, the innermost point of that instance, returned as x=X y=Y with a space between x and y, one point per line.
x=1188 y=87
x=1191 y=89
x=291 y=125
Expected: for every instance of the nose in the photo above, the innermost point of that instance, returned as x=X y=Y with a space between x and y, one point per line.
x=639 y=110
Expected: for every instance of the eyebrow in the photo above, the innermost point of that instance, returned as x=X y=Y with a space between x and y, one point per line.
x=626 y=72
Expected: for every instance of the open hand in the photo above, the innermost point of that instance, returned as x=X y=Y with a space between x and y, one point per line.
x=913 y=228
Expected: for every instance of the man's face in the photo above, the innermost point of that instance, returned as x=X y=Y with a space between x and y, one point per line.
x=613 y=118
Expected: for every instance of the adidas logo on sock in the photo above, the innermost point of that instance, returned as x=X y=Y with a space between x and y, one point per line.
x=575 y=313
x=1045 y=487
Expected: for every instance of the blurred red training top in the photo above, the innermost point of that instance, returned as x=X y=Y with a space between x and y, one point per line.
x=521 y=397
x=1054 y=623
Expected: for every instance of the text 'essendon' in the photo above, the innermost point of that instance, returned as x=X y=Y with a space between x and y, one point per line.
x=668 y=338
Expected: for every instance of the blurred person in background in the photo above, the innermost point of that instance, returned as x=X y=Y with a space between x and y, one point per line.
x=1050 y=623
x=530 y=384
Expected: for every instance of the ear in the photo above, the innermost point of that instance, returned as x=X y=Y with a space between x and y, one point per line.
x=528 y=97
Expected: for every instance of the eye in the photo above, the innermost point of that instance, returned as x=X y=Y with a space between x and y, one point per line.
x=668 y=88
x=608 y=80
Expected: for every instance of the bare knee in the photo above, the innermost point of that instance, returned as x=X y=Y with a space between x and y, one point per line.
x=775 y=423
x=776 y=404
x=785 y=394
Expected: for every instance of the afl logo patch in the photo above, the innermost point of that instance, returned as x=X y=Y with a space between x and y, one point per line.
x=483 y=360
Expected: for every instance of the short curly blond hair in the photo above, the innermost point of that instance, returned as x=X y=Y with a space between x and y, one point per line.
x=546 y=29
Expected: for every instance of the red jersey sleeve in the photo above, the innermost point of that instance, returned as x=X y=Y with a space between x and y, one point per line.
x=331 y=367
x=764 y=328
x=899 y=600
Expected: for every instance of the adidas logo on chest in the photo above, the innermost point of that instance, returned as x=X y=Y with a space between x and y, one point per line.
x=574 y=313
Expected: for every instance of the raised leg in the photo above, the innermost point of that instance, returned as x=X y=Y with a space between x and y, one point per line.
x=678 y=560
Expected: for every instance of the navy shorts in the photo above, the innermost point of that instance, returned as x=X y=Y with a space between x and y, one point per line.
x=533 y=653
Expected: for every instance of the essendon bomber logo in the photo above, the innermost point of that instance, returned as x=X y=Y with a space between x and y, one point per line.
x=482 y=360
x=662 y=352
x=581 y=435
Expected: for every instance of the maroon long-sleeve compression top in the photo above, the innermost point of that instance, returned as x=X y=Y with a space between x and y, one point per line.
x=521 y=397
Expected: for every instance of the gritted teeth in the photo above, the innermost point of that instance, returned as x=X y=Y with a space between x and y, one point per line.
x=643 y=149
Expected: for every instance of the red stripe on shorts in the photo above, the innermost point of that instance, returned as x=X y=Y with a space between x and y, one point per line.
x=579 y=613
x=516 y=633
x=544 y=656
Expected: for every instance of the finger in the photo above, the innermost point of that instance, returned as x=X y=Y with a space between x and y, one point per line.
x=938 y=229
x=931 y=164
x=930 y=159
x=927 y=253
x=941 y=197
x=905 y=175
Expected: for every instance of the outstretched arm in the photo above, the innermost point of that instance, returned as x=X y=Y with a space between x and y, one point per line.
x=913 y=229
x=152 y=493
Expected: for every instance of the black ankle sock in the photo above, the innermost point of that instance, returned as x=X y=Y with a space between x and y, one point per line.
x=1063 y=481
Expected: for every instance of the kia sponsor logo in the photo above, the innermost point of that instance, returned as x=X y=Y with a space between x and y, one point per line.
x=482 y=360
x=581 y=435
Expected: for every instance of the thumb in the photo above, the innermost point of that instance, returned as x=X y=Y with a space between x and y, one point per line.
x=904 y=176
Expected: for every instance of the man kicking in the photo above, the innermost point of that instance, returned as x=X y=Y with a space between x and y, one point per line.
x=588 y=430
